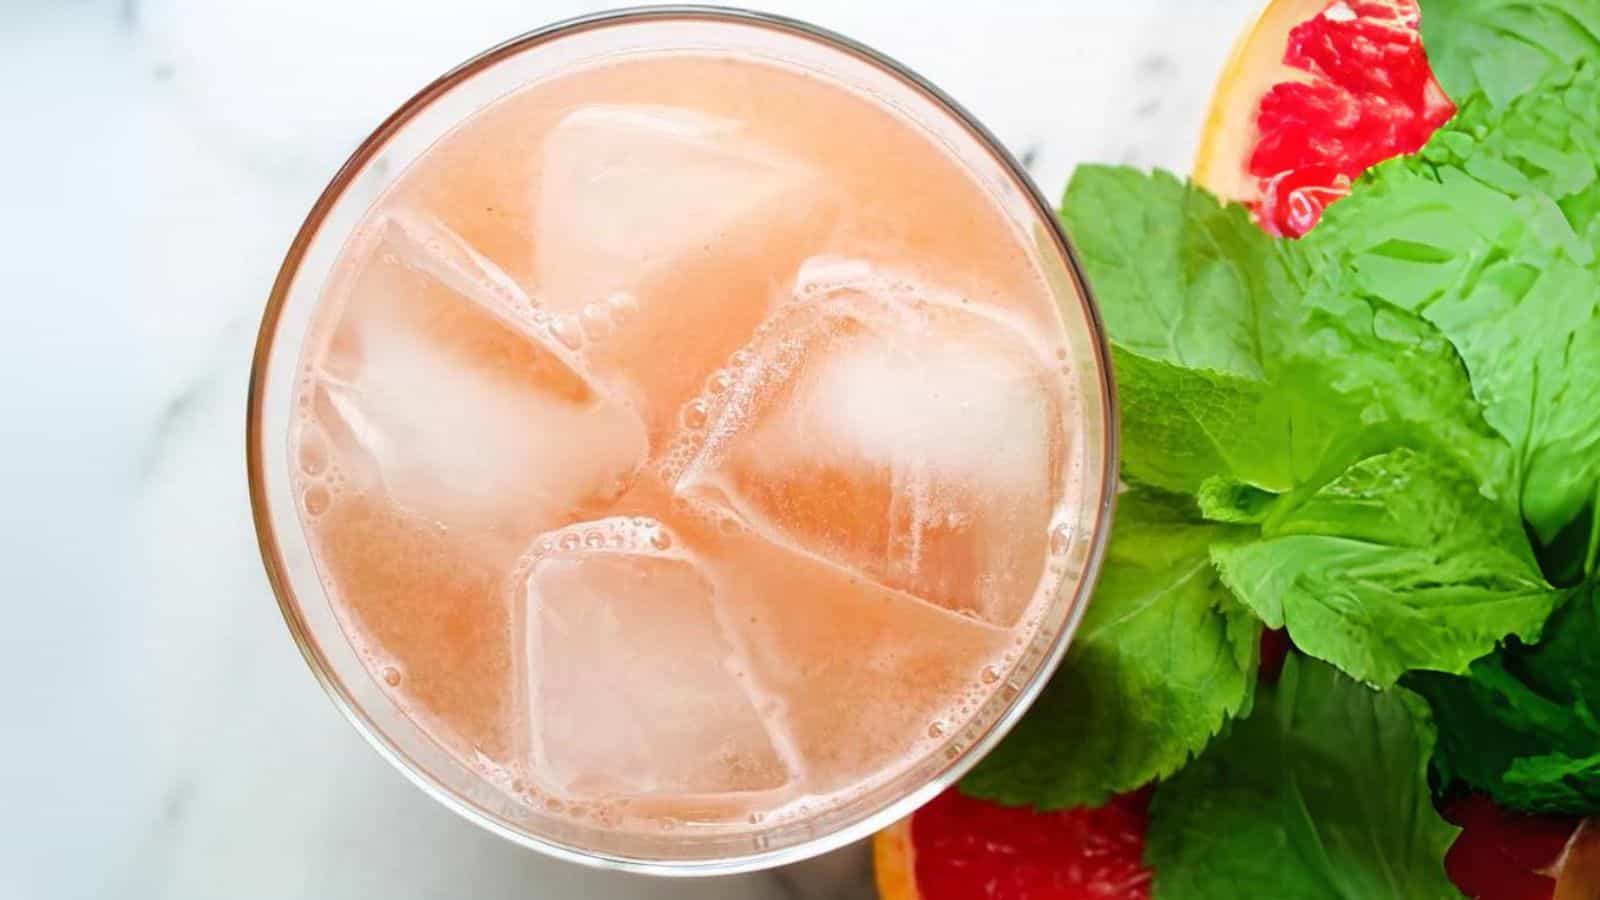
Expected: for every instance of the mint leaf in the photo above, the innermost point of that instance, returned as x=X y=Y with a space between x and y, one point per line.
x=1321 y=794
x=1491 y=236
x=1182 y=278
x=1502 y=48
x=1362 y=376
x=1183 y=426
x=1238 y=361
x=1253 y=428
x=1523 y=725
x=1545 y=143
x=1189 y=289
x=1555 y=782
x=1397 y=564
x=1163 y=657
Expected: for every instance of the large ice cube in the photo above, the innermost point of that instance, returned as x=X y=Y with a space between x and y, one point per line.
x=442 y=388
x=895 y=432
x=662 y=236
x=633 y=687
x=628 y=188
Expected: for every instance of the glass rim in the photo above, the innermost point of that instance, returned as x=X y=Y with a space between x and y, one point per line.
x=276 y=568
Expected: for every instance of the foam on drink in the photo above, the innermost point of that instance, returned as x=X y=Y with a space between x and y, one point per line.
x=686 y=442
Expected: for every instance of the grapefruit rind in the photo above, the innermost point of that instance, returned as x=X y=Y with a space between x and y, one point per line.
x=894 y=862
x=1253 y=66
x=1579 y=867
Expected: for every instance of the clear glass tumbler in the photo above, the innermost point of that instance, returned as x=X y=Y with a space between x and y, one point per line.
x=380 y=160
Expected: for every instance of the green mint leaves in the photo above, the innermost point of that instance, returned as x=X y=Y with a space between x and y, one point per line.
x=1336 y=428
x=1163 y=657
x=1491 y=236
x=1397 y=564
x=1188 y=289
x=1195 y=283
x=1525 y=726
x=1502 y=48
x=1339 y=482
x=1320 y=794
x=1383 y=438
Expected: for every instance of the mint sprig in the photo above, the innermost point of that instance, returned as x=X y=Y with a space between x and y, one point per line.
x=1163 y=657
x=1384 y=438
x=1340 y=429
x=1320 y=794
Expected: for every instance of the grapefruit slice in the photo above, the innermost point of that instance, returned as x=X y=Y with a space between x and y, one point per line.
x=1506 y=855
x=1313 y=94
x=960 y=848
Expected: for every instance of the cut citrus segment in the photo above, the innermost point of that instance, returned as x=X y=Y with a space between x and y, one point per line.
x=1506 y=855
x=893 y=861
x=1313 y=94
x=1502 y=855
x=960 y=848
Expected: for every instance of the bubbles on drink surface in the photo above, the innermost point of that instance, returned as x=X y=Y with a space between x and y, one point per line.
x=567 y=331
x=316 y=500
x=313 y=455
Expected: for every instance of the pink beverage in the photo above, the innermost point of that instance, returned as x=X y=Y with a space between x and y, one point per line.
x=689 y=442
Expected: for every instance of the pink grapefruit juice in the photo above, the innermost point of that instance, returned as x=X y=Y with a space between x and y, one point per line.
x=688 y=440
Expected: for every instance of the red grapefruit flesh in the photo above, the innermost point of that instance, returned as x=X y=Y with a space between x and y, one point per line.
x=1315 y=94
x=1503 y=855
x=960 y=848
x=1275 y=647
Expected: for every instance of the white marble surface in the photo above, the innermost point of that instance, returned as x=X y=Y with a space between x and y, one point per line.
x=162 y=738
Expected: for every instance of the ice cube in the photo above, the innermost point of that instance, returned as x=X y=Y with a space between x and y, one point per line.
x=441 y=388
x=633 y=687
x=628 y=188
x=662 y=237
x=895 y=431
